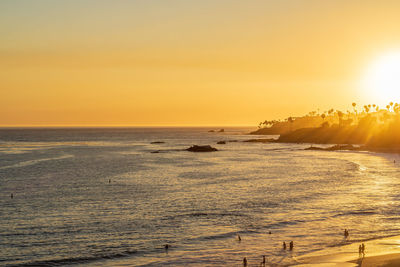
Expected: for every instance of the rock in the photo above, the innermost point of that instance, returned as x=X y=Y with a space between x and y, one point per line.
x=263 y=140
x=157 y=151
x=206 y=148
x=221 y=142
x=334 y=148
x=314 y=148
x=158 y=142
x=211 y=131
x=221 y=131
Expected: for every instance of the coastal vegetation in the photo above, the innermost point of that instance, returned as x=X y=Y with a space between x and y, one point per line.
x=371 y=126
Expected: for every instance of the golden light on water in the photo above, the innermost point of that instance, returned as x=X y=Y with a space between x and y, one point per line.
x=382 y=79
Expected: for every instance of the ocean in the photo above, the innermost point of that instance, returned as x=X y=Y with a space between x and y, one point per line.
x=99 y=197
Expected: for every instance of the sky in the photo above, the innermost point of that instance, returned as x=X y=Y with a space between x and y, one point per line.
x=187 y=63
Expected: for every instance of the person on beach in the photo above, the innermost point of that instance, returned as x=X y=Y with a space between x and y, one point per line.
x=244 y=262
x=291 y=245
x=12 y=195
x=284 y=245
x=363 y=249
x=239 y=239
x=166 y=246
x=263 y=262
x=359 y=250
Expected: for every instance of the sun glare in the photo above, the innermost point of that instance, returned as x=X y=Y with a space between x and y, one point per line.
x=382 y=79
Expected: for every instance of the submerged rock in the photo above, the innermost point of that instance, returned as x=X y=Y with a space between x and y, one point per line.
x=206 y=148
x=221 y=142
x=157 y=142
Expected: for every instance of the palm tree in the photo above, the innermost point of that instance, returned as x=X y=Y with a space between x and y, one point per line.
x=340 y=116
x=354 y=107
x=290 y=120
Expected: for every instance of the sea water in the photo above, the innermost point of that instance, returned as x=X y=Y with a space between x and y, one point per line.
x=99 y=197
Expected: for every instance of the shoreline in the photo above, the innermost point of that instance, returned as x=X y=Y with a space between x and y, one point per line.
x=330 y=146
x=378 y=252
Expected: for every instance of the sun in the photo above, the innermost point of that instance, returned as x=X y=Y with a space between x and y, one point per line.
x=382 y=79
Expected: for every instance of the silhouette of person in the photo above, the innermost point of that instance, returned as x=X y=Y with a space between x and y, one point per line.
x=109 y=181
x=263 y=262
x=346 y=233
x=269 y=232
x=284 y=245
x=359 y=250
x=12 y=195
x=244 y=262
x=239 y=239
x=166 y=246
x=363 y=249
x=291 y=245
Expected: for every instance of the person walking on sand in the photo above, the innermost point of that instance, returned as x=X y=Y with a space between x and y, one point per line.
x=359 y=250
x=244 y=262
x=291 y=245
x=363 y=249
x=284 y=245
x=239 y=239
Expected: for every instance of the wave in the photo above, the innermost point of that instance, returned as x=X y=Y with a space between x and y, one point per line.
x=78 y=260
x=226 y=235
x=32 y=162
x=354 y=212
x=204 y=214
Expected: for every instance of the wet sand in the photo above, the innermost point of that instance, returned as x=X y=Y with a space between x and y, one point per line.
x=378 y=252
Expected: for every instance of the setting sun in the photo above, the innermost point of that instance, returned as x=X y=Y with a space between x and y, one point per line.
x=382 y=80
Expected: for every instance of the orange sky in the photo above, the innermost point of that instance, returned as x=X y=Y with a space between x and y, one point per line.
x=96 y=63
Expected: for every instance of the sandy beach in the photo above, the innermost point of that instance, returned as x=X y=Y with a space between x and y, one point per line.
x=378 y=252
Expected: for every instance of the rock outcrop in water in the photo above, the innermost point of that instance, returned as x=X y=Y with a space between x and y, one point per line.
x=221 y=142
x=261 y=140
x=219 y=131
x=158 y=142
x=206 y=148
x=335 y=148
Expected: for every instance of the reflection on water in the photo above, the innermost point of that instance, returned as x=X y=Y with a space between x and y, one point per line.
x=65 y=210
